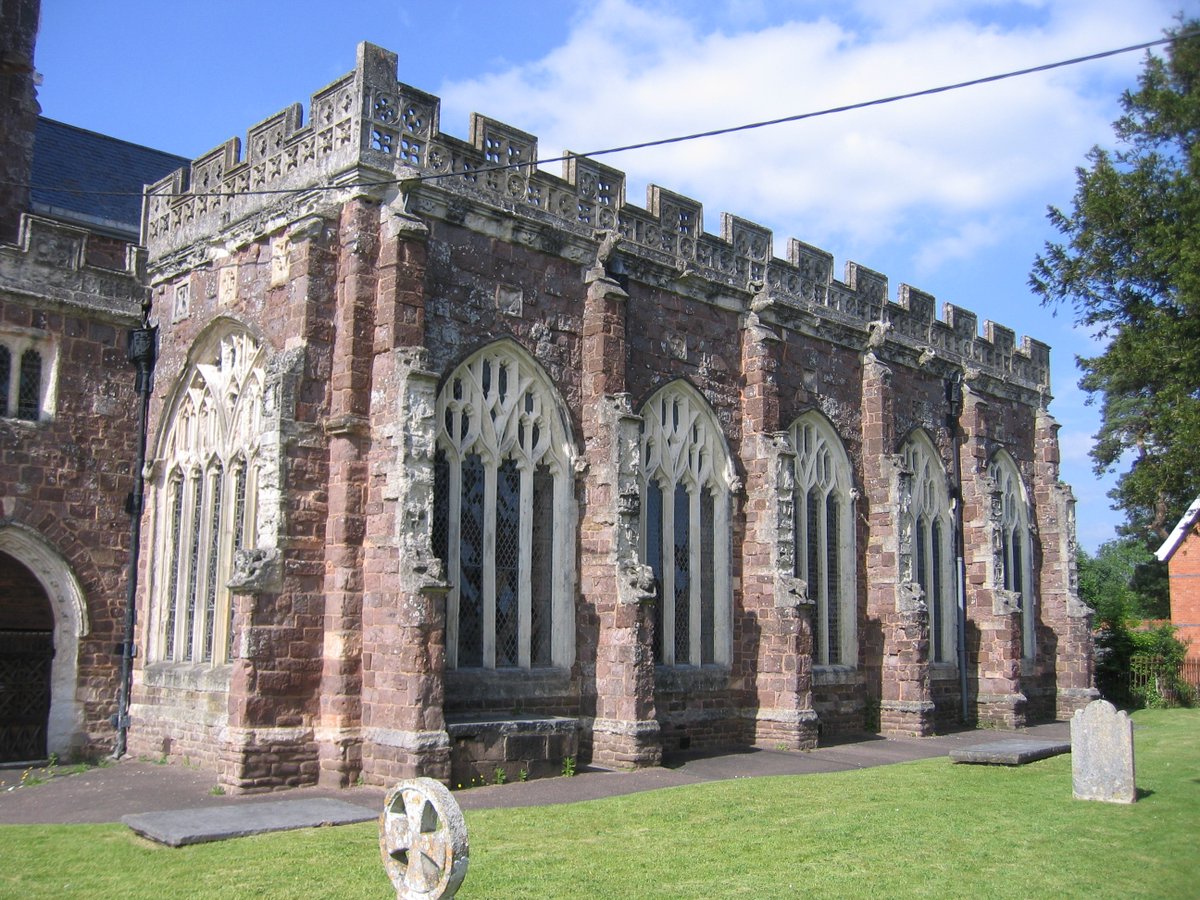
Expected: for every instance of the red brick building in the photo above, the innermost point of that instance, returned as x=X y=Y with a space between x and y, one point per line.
x=455 y=463
x=1181 y=553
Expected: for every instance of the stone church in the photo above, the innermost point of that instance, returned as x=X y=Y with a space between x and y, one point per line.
x=452 y=463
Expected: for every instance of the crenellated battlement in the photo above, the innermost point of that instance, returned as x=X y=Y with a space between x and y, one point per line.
x=55 y=264
x=367 y=127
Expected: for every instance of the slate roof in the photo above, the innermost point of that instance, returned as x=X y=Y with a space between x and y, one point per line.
x=1171 y=544
x=74 y=158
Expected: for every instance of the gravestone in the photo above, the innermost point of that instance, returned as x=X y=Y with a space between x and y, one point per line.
x=1102 y=754
x=423 y=839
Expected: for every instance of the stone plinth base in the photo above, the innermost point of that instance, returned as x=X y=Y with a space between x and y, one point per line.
x=626 y=745
x=1001 y=710
x=910 y=718
x=340 y=758
x=257 y=760
x=781 y=729
x=1070 y=700
x=389 y=756
x=520 y=746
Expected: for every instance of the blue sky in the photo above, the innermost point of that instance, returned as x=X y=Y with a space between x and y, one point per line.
x=945 y=193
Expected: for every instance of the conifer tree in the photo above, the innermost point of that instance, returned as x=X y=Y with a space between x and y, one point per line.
x=1129 y=267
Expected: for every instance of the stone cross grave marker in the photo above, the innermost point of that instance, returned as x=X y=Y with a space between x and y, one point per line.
x=423 y=839
x=1102 y=754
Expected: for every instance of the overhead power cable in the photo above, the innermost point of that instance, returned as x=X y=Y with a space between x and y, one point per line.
x=659 y=142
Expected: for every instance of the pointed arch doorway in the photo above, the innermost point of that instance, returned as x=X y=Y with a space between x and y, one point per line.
x=26 y=660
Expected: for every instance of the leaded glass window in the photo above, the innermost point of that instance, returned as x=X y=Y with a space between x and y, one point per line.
x=502 y=507
x=685 y=526
x=930 y=537
x=29 y=388
x=205 y=500
x=824 y=537
x=1015 y=552
x=5 y=378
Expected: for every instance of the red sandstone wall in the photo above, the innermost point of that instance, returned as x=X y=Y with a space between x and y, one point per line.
x=67 y=478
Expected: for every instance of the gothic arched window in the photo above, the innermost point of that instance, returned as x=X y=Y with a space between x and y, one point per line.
x=503 y=517
x=686 y=476
x=204 y=497
x=824 y=536
x=932 y=547
x=1014 y=561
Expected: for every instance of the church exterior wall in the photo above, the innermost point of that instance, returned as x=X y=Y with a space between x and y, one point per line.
x=368 y=300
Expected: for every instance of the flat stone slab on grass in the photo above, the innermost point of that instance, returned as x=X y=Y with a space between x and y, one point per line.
x=180 y=827
x=1010 y=752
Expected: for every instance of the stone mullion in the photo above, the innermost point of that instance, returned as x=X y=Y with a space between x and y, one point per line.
x=994 y=657
x=489 y=565
x=1067 y=617
x=453 y=572
x=525 y=562
x=695 y=641
x=617 y=590
x=778 y=669
x=668 y=576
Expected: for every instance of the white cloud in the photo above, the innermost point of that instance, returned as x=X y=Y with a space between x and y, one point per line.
x=635 y=71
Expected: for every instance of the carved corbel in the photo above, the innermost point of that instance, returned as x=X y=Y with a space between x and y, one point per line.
x=256 y=571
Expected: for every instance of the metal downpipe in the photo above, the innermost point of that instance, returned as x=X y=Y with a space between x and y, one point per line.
x=140 y=352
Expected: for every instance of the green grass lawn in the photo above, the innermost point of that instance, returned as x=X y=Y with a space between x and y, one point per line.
x=928 y=828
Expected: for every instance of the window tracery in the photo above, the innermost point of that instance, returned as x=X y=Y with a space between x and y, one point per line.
x=1014 y=550
x=205 y=498
x=824 y=538
x=686 y=479
x=931 y=531
x=503 y=518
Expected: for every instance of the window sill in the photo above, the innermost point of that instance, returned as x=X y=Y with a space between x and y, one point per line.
x=689 y=679
x=187 y=676
x=943 y=671
x=836 y=674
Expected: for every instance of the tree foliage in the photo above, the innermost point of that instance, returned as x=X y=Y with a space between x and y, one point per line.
x=1125 y=584
x=1129 y=268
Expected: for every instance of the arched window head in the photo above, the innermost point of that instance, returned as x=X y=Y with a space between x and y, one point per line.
x=503 y=515
x=824 y=537
x=1013 y=563
x=932 y=550
x=686 y=478
x=205 y=496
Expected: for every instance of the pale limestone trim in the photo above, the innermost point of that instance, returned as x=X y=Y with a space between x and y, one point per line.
x=526 y=422
x=927 y=531
x=1012 y=547
x=211 y=447
x=683 y=445
x=637 y=728
x=415 y=741
x=65 y=727
x=822 y=463
x=782 y=716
